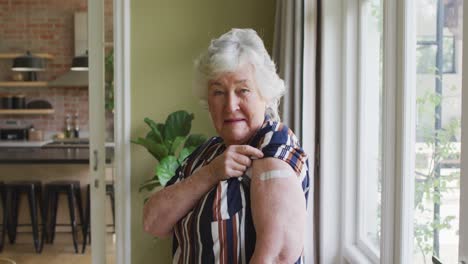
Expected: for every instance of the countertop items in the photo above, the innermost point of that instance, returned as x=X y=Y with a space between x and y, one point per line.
x=16 y=155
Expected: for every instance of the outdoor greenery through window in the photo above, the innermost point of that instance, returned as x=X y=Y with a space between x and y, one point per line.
x=437 y=161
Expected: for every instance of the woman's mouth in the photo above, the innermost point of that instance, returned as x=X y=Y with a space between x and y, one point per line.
x=233 y=120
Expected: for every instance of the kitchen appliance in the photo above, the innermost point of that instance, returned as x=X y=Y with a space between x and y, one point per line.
x=14 y=130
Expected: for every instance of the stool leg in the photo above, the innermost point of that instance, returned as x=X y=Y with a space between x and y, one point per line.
x=14 y=216
x=80 y=209
x=40 y=203
x=4 y=221
x=34 y=221
x=89 y=214
x=87 y=220
x=53 y=219
x=45 y=214
x=71 y=206
x=8 y=206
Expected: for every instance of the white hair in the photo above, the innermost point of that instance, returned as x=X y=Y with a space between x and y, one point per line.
x=233 y=49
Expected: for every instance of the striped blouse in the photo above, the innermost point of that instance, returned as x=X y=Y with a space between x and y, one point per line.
x=220 y=229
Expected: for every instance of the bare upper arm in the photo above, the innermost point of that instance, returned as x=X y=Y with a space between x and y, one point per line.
x=278 y=209
x=275 y=173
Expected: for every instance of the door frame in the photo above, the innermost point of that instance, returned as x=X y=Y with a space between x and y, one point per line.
x=122 y=131
x=97 y=129
x=463 y=234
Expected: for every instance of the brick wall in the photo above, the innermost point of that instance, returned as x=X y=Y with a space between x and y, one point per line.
x=46 y=26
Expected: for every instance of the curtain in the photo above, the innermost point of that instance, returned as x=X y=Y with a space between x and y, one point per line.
x=288 y=48
x=295 y=46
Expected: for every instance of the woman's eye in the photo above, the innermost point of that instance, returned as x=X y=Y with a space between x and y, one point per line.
x=218 y=92
x=245 y=90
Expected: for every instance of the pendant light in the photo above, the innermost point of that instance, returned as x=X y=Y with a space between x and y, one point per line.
x=28 y=63
x=80 y=63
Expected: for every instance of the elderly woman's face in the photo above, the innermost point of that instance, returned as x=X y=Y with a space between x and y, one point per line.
x=235 y=105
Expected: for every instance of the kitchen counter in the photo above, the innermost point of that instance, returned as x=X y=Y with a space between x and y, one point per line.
x=37 y=155
x=23 y=144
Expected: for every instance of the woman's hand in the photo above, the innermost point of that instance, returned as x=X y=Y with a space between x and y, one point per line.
x=233 y=162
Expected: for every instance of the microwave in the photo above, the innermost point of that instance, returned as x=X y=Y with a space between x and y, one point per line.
x=20 y=133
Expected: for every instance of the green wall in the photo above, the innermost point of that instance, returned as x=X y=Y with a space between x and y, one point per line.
x=166 y=38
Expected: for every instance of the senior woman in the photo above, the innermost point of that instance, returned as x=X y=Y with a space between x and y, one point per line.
x=241 y=196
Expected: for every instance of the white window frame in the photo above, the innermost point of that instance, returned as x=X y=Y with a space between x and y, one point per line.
x=398 y=115
x=405 y=119
x=355 y=248
x=122 y=125
x=331 y=114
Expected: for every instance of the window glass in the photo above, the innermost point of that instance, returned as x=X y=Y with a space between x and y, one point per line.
x=438 y=102
x=371 y=124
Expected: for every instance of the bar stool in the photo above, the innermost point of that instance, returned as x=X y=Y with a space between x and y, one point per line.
x=110 y=193
x=4 y=214
x=52 y=192
x=33 y=189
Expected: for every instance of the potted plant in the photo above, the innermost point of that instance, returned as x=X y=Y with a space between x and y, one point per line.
x=169 y=143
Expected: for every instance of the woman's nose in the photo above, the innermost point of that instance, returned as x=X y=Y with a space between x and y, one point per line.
x=232 y=103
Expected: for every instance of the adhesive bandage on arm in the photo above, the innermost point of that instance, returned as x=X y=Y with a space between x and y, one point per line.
x=276 y=174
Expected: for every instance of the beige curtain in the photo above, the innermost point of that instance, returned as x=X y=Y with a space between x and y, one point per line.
x=295 y=46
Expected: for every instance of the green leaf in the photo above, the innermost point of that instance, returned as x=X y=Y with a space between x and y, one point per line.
x=160 y=127
x=159 y=151
x=152 y=136
x=178 y=124
x=184 y=153
x=154 y=128
x=195 y=140
x=166 y=169
x=178 y=142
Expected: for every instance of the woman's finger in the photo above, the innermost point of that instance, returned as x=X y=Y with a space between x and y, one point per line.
x=235 y=173
x=242 y=159
x=249 y=151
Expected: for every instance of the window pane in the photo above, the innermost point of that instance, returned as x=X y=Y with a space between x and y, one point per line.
x=371 y=125
x=437 y=162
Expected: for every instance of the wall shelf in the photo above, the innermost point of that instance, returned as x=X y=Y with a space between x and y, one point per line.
x=26 y=111
x=14 y=55
x=23 y=84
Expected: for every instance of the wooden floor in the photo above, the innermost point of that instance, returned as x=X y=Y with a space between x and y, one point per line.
x=61 y=252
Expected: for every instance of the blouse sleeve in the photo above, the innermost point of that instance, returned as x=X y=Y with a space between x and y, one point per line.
x=278 y=141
